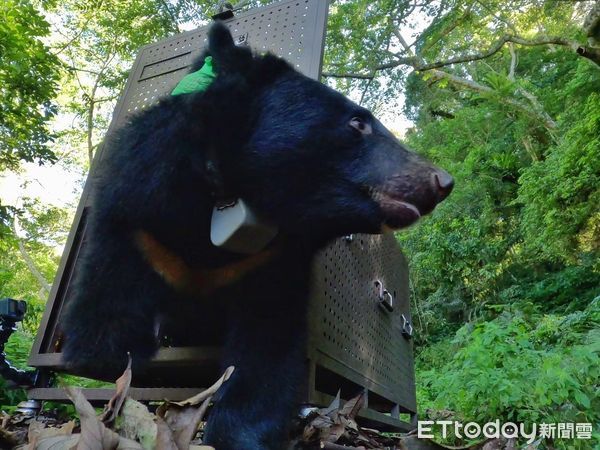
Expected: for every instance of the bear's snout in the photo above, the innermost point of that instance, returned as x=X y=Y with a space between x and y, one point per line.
x=442 y=183
x=405 y=197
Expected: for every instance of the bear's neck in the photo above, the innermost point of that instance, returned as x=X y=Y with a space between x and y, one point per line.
x=205 y=270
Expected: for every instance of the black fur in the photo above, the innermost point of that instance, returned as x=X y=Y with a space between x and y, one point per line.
x=284 y=144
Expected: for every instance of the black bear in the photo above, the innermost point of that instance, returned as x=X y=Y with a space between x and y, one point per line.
x=300 y=154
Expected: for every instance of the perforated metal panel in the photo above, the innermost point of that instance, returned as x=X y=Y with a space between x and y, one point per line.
x=353 y=325
x=348 y=323
x=290 y=29
x=353 y=343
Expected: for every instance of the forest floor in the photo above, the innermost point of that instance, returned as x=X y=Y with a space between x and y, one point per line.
x=126 y=424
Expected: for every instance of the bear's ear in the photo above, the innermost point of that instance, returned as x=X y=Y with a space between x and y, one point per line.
x=227 y=57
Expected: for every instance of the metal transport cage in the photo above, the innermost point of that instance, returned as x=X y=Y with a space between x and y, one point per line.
x=359 y=318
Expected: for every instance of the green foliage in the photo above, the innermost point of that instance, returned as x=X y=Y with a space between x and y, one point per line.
x=522 y=225
x=561 y=193
x=520 y=368
x=359 y=36
x=10 y=397
x=42 y=236
x=17 y=350
x=505 y=272
x=18 y=347
x=28 y=84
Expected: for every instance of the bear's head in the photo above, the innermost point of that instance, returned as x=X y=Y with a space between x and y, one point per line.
x=306 y=157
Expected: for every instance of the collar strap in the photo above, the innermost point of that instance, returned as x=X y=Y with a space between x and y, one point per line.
x=196 y=282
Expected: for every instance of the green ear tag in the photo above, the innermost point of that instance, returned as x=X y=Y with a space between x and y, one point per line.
x=198 y=81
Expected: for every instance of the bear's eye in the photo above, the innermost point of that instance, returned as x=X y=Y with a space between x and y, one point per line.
x=360 y=125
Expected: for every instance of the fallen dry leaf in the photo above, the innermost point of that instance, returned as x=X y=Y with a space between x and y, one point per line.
x=333 y=407
x=33 y=433
x=38 y=431
x=164 y=436
x=353 y=406
x=5 y=420
x=182 y=419
x=329 y=425
x=332 y=446
x=94 y=434
x=500 y=444
x=199 y=398
x=333 y=433
x=71 y=442
x=183 y=423
x=111 y=411
x=54 y=443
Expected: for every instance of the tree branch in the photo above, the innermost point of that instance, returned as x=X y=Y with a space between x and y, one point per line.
x=73 y=68
x=547 y=121
x=106 y=99
x=166 y=7
x=417 y=63
x=520 y=90
x=66 y=45
x=513 y=62
x=449 y=28
x=399 y=61
x=28 y=260
x=497 y=46
x=356 y=76
x=92 y=107
x=498 y=18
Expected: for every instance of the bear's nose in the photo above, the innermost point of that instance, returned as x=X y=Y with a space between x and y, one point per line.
x=442 y=183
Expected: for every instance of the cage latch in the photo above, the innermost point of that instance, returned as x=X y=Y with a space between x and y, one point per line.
x=407 y=328
x=386 y=299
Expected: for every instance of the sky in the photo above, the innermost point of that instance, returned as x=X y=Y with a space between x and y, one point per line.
x=52 y=184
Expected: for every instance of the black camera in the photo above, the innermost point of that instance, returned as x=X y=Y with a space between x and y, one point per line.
x=12 y=310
